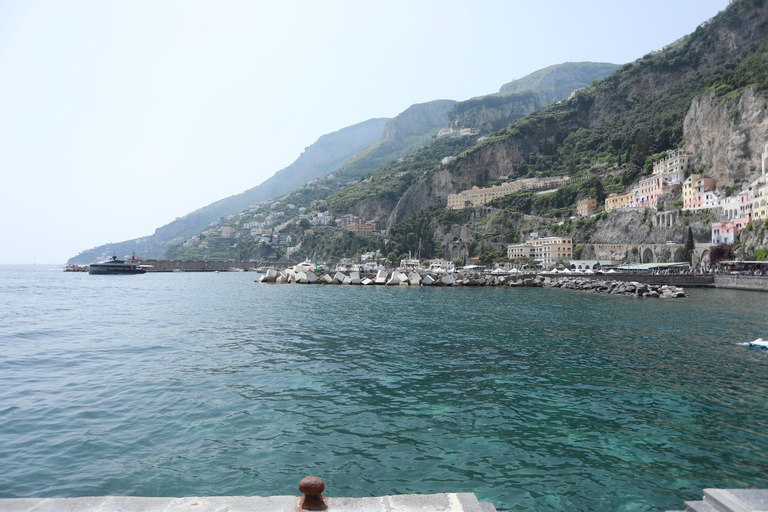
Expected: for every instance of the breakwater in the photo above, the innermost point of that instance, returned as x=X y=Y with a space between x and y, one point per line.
x=634 y=288
x=302 y=275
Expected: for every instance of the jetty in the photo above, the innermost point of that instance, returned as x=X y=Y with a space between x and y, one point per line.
x=302 y=275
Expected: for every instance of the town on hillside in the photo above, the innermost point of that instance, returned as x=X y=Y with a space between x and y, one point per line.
x=277 y=229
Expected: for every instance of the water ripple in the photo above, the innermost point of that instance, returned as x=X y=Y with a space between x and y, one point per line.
x=206 y=384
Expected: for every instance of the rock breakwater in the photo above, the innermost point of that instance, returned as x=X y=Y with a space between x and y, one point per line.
x=619 y=287
x=301 y=275
x=297 y=275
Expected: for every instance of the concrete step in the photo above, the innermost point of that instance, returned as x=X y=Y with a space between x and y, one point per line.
x=698 y=506
x=737 y=500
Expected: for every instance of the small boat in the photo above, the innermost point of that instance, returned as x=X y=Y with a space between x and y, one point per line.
x=759 y=342
x=236 y=269
x=116 y=266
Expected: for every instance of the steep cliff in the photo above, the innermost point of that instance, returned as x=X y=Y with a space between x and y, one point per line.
x=493 y=112
x=419 y=119
x=727 y=136
x=403 y=134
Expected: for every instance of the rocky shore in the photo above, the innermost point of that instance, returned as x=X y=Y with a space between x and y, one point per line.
x=300 y=275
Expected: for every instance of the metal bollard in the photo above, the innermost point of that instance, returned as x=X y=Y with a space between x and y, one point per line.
x=312 y=487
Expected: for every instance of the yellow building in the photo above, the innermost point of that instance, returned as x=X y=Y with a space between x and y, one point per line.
x=614 y=201
x=585 y=207
x=546 y=250
x=760 y=201
x=479 y=196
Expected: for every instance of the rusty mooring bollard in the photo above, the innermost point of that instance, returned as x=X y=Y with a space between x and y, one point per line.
x=312 y=487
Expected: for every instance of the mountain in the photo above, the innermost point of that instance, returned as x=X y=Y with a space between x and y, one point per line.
x=706 y=93
x=394 y=173
x=410 y=130
x=317 y=161
x=556 y=82
x=630 y=115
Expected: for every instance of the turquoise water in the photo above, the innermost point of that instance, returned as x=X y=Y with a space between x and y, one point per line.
x=208 y=384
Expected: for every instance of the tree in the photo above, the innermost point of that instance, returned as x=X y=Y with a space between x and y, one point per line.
x=720 y=253
x=689 y=247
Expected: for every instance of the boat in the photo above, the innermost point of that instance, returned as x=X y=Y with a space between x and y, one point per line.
x=116 y=266
x=759 y=342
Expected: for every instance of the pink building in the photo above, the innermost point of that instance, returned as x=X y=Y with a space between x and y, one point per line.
x=726 y=232
x=693 y=190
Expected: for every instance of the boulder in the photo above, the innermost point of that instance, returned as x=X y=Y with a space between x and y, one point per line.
x=414 y=279
x=339 y=277
x=367 y=281
x=381 y=277
x=448 y=280
x=427 y=281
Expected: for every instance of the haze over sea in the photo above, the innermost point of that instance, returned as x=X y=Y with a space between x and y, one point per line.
x=542 y=399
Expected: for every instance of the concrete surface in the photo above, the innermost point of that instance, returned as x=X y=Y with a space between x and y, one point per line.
x=446 y=502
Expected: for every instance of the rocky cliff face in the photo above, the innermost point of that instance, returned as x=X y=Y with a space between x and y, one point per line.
x=496 y=111
x=419 y=119
x=494 y=161
x=727 y=136
x=556 y=82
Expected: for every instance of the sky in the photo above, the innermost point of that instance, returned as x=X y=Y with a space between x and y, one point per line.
x=118 y=117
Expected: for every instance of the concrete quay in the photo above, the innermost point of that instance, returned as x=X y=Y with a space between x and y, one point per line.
x=446 y=502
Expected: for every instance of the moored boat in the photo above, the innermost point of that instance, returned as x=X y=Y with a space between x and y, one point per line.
x=116 y=266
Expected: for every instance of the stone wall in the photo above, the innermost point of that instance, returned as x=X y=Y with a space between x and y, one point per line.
x=739 y=282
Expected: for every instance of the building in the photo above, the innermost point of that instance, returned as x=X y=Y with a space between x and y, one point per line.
x=585 y=207
x=361 y=228
x=547 y=250
x=693 y=189
x=760 y=201
x=227 y=232
x=673 y=166
x=726 y=232
x=479 y=196
x=614 y=201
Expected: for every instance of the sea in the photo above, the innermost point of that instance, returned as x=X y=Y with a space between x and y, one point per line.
x=209 y=384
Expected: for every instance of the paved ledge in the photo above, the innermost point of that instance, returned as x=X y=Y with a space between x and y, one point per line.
x=446 y=502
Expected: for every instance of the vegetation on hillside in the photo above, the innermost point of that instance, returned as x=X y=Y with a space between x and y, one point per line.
x=392 y=180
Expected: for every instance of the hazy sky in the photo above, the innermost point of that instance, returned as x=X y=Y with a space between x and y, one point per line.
x=117 y=117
